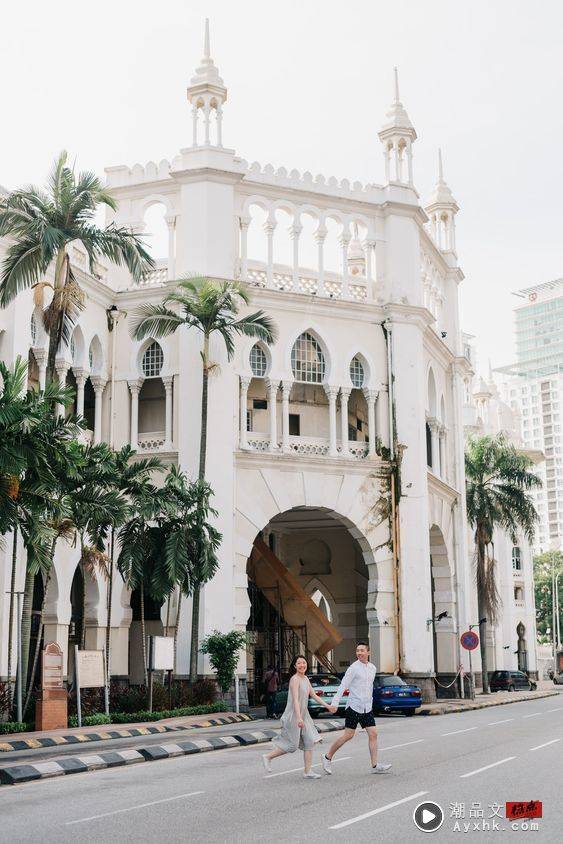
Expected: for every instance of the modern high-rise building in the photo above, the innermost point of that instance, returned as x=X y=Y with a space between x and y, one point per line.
x=534 y=386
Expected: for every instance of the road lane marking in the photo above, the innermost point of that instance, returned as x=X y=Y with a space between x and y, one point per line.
x=486 y=768
x=557 y=709
x=378 y=811
x=406 y=744
x=532 y=715
x=455 y=732
x=295 y=770
x=504 y=721
x=547 y=743
x=133 y=808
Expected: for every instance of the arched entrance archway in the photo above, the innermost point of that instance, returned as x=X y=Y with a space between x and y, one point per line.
x=522 y=649
x=442 y=623
x=321 y=557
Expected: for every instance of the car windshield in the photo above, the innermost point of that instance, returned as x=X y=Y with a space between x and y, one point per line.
x=499 y=674
x=319 y=680
x=389 y=681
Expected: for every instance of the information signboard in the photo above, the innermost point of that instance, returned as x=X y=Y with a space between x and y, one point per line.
x=90 y=669
x=162 y=653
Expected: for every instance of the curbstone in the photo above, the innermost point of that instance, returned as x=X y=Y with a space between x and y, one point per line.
x=105 y=735
x=14 y=774
x=469 y=707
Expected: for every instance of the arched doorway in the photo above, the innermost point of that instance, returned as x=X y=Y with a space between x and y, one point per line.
x=522 y=649
x=441 y=624
x=321 y=558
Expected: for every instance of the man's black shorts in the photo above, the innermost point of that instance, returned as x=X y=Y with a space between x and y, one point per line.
x=353 y=718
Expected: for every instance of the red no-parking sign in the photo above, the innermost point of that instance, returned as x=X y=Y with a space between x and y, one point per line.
x=469 y=640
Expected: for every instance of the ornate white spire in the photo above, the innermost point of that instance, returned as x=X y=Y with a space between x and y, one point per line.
x=442 y=209
x=207 y=92
x=397 y=136
x=442 y=194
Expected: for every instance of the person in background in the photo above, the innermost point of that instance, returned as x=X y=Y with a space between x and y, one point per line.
x=271 y=681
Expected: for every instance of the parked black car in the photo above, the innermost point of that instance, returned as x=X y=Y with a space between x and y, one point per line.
x=511 y=681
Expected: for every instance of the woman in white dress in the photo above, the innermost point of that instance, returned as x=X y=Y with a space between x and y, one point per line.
x=297 y=728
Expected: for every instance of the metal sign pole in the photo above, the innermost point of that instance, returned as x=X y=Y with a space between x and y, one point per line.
x=151 y=663
x=472 y=677
x=77 y=681
x=106 y=682
x=237 y=695
x=19 y=680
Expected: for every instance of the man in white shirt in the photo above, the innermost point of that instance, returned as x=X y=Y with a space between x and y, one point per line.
x=359 y=709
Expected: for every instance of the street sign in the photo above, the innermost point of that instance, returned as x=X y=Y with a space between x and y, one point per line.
x=90 y=669
x=162 y=653
x=469 y=640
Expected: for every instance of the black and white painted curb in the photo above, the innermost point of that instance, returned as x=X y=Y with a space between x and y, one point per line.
x=14 y=774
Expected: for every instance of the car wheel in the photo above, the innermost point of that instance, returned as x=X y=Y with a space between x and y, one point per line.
x=409 y=712
x=511 y=688
x=313 y=713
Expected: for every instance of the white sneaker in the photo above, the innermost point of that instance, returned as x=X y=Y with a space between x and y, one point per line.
x=312 y=775
x=327 y=764
x=380 y=768
x=266 y=764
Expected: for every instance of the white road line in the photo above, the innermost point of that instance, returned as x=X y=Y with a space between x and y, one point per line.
x=406 y=744
x=378 y=811
x=504 y=721
x=532 y=715
x=295 y=770
x=547 y=743
x=133 y=808
x=486 y=768
x=455 y=732
x=557 y=709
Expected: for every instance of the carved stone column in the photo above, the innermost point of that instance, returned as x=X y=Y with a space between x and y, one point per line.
x=371 y=398
x=168 y=381
x=286 y=392
x=272 y=387
x=244 y=385
x=331 y=393
x=135 y=388
x=98 y=383
x=344 y=396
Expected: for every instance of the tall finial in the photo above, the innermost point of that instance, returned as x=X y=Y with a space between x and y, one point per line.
x=440 y=166
x=206 y=47
x=397 y=100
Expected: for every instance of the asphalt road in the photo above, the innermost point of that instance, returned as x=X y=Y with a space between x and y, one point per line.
x=467 y=763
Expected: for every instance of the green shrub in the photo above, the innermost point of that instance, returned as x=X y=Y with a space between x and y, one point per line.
x=7 y=727
x=90 y=720
x=136 y=717
x=223 y=649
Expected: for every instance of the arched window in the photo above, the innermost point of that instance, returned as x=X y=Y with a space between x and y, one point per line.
x=357 y=374
x=152 y=360
x=307 y=360
x=428 y=446
x=516 y=559
x=33 y=328
x=258 y=361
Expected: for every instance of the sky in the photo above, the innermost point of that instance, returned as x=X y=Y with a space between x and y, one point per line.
x=309 y=83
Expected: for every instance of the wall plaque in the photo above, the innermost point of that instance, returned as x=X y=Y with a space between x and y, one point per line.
x=52 y=667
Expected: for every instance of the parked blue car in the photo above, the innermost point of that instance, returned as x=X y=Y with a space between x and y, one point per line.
x=392 y=694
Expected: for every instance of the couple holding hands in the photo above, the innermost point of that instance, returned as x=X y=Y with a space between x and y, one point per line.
x=298 y=730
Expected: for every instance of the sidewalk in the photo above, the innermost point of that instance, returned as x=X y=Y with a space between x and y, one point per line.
x=76 y=735
x=444 y=707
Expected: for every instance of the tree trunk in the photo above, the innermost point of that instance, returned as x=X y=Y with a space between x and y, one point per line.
x=61 y=271
x=40 y=630
x=194 y=646
x=177 y=627
x=482 y=614
x=27 y=610
x=108 y=616
x=144 y=637
x=11 y=614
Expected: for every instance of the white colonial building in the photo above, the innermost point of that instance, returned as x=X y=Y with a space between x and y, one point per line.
x=367 y=374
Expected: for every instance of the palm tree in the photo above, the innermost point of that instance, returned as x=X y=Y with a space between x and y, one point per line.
x=131 y=477
x=189 y=543
x=31 y=438
x=211 y=308
x=42 y=225
x=498 y=482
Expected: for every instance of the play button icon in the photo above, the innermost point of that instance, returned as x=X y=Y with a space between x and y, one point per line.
x=428 y=817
